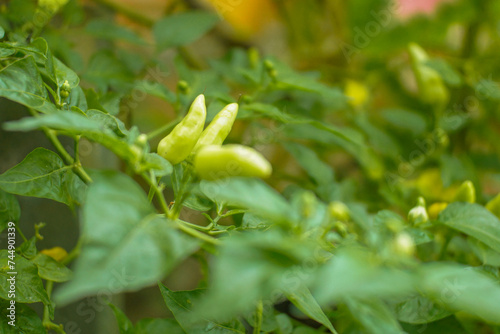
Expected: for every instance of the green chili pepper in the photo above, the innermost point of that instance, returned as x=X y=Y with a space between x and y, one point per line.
x=217 y=131
x=430 y=84
x=177 y=146
x=216 y=162
x=466 y=193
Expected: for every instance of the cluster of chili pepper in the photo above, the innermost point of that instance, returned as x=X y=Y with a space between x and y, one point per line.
x=212 y=160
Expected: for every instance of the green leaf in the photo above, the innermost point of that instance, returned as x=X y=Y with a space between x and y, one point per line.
x=446 y=71
x=353 y=274
x=6 y=52
x=158 y=164
x=50 y=269
x=318 y=170
x=106 y=29
x=304 y=300
x=180 y=304
x=126 y=245
x=28 y=248
x=473 y=220
x=29 y=287
x=487 y=255
x=155 y=89
x=27 y=321
x=249 y=194
x=105 y=70
x=60 y=120
x=21 y=82
x=43 y=174
x=9 y=209
x=182 y=29
x=405 y=120
x=124 y=324
x=158 y=326
x=418 y=309
x=461 y=288
x=446 y=325
x=254 y=266
x=91 y=127
x=108 y=120
x=374 y=316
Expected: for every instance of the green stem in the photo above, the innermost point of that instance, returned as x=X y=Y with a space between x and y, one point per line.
x=442 y=253
x=164 y=129
x=258 y=318
x=198 y=227
x=74 y=253
x=130 y=13
x=67 y=158
x=21 y=233
x=47 y=323
x=159 y=193
x=197 y=234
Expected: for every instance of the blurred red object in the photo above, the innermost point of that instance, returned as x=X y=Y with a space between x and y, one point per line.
x=408 y=8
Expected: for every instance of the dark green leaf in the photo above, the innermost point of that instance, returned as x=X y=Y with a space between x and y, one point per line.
x=180 y=304
x=405 y=120
x=126 y=246
x=106 y=29
x=158 y=326
x=374 y=316
x=473 y=220
x=446 y=325
x=28 y=248
x=304 y=300
x=21 y=82
x=418 y=309
x=27 y=321
x=28 y=286
x=124 y=324
x=318 y=170
x=43 y=174
x=9 y=209
x=249 y=194
x=487 y=255
x=50 y=269
x=182 y=29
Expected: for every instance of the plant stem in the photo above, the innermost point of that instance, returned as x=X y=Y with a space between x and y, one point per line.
x=74 y=253
x=164 y=129
x=159 y=194
x=132 y=14
x=67 y=158
x=197 y=234
x=258 y=318
x=47 y=323
x=198 y=227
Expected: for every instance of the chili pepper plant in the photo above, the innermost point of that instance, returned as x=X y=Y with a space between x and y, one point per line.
x=187 y=173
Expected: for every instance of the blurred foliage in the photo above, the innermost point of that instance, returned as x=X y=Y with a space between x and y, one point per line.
x=367 y=116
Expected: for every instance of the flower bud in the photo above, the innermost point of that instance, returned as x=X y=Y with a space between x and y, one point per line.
x=418 y=215
x=465 y=193
x=57 y=253
x=404 y=245
x=338 y=211
x=494 y=205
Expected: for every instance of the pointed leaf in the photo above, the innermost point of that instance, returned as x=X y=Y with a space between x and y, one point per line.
x=43 y=174
x=180 y=304
x=21 y=82
x=474 y=220
x=126 y=245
